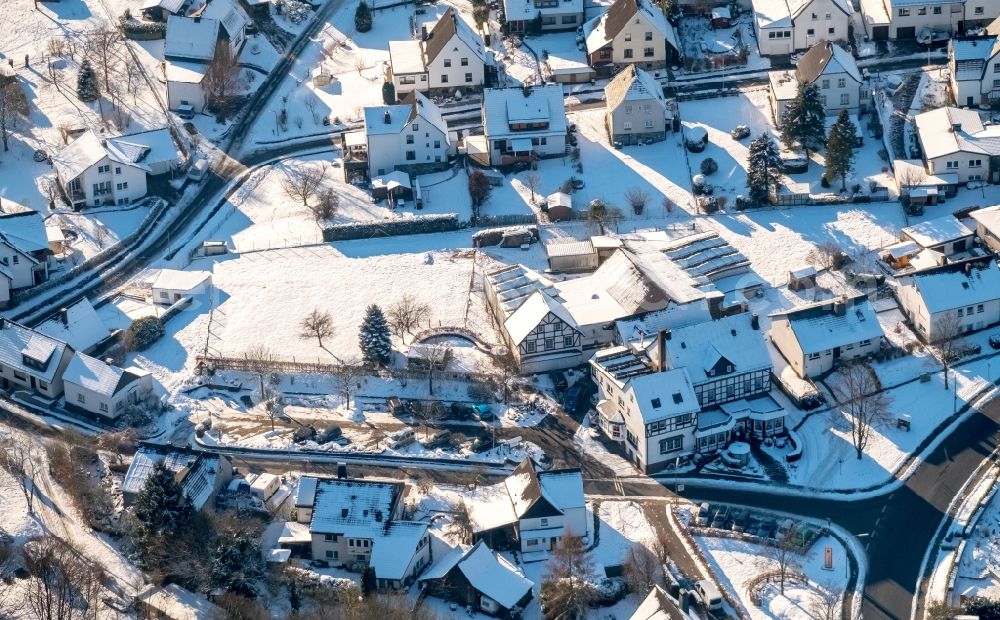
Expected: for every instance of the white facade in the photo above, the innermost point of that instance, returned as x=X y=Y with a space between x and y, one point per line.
x=172 y=285
x=956 y=141
x=407 y=136
x=974 y=67
x=451 y=56
x=184 y=85
x=786 y=27
x=102 y=389
x=520 y=122
x=106 y=182
x=959 y=296
x=907 y=17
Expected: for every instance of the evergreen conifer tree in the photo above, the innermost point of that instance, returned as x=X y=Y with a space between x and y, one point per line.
x=840 y=149
x=804 y=119
x=763 y=167
x=162 y=510
x=363 y=17
x=373 y=337
x=86 y=83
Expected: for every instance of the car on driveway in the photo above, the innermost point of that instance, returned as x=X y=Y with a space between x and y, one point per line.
x=995 y=341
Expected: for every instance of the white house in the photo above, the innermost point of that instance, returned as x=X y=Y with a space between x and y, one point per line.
x=94 y=171
x=24 y=250
x=171 y=285
x=631 y=32
x=988 y=226
x=974 y=65
x=815 y=337
x=956 y=298
x=233 y=22
x=956 y=141
x=411 y=136
x=903 y=19
x=946 y=234
x=191 y=38
x=524 y=123
x=101 y=389
x=448 y=58
x=552 y=15
x=659 y=605
x=636 y=111
x=785 y=27
x=355 y=523
x=31 y=360
x=76 y=324
x=832 y=70
x=478 y=578
x=185 y=84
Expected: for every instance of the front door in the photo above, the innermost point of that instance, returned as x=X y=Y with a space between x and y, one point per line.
x=969 y=102
x=836 y=352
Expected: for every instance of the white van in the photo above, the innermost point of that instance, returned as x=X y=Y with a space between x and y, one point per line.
x=402 y=438
x=197 y=170
x=710 y=595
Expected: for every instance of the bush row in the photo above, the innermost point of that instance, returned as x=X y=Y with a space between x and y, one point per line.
x=417 y=225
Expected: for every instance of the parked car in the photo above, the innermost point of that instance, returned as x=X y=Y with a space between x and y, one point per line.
x=794 y=160
x=995 y=341
x=198 y=169
x=402 y=438
x=439 y=439
x=482 y=411
x=185 y=111
x=739 y=132
x=709 y=594
x=461 y=411
x=577 y=396
x=558 y=380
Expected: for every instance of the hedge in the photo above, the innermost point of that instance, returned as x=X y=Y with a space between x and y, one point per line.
x=142 y=31
x=417 y=225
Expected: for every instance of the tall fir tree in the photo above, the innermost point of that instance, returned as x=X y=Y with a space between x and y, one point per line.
x=363 y=17
x=86 y=83
x=374 y=338
x=161 y=512
x=840 y=147
x=804 y=120
x=763 y=167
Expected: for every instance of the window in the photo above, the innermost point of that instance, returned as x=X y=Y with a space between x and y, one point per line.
x=331 y=554
x=979 y=10
x=628 y=109
x=529 y=347
x=828 y=17
x=567 y=341
x=951 y=164
x=831 y=31
x=996 y=83
x=922 y=11
x=104 y=407
x=468 y=78
x=979 y=309
x=545 y=522
x=16 y=259
x=464 y=62
x=118 y=170
x=628 y=52
x=815 y=16
x=996 y=68
x=864 y=343
x=811 y=32
x=825 y=84
x=444 y=79
x=550 y=343
x=118 y=186
x=437 y=144
x=411 y=155
x=649 y=36
x=649 y=123
x=447 y=62
x=814 y=356
x=569 y=19
x=975 y=163
x=330 y=537
x=532 y=542
x=671 y=444
x=350 y=542
x=628 y=36
x=845 y=99
x=937 y=10
x=969 y=310
x=903 y=12
x=822 y=99
x=648 y=52
x=627 y=125
x=841 y=82
x=79 y=397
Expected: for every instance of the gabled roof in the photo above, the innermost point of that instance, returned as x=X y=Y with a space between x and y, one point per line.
x=171 y=6
x=526 y=10
x=77 y=324
x=422 y=107
x=449 y=26
x=530 y=313
x=144 y=149
x=818 y=327
x=18 y=341
x=973 y=48
x=938 y=231
x=661 y=395
x=781 y=13
x=494 y=576
x=23 y=228
x=503 y=106
x=602 y=29
x=229 y=14
x=395 y=548
x=658 y=605
x=96 y=376
x=180 y=280
x=699 y=347
x=190 y=38
x=948 y=130
x=633 y=84
x=78 y=155
x=197 y=471
x=826 y=58
x=358 y=508
x=950 y=287
x=988 y=218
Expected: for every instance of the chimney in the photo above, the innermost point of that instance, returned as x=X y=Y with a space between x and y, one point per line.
x=956 y=127
x=423 y=32
x=526 y=90
x=755 y=322
x=388 y=117
x=197 y=18
x=661 y=349
x=839 y=308
x=64 y=315
x=341 y=470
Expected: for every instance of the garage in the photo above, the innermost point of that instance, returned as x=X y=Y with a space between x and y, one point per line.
x=909 y=32
x=880 y=33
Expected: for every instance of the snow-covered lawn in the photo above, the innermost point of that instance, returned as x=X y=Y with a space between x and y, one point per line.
x=622 y=526
x=737 y=563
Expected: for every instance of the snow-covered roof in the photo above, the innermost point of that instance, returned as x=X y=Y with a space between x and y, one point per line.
x=803 y=271
x=97 y=376
x=973 y=48
x=426 y=109
x=988 y=218
x=504 y=106
x=229 y=14
x=671 y=317
x=447 y=28
x=184 y=72
x=948 y=130
x=491 y=508
x=519 y=324
x=78 y=155
x=171 y=6
x=191 y=38
x=937 y=231
x=395 y=548
x=903 y=248
x=949 y=287
x=145 y=149
x=494 y=576
x=526 y=10
x=784 y=84
x=662 y=395
x=819 y=326
x=569 y=248
x=23 y=228
x=78 y=325
x=306 y=493
x=780 y=13
x=559 y=199
x=513 y=284
x=179 y=280
x=198 y=472
x=176 y=603
x=700 y=347
x=633 y=84
x=447 y=557
x=18 y=342
x=406 y=57
x=658 y=605
x=602 y=29
x=356 y=508
x=386 y=119
x=563 y=488
x=912 y=172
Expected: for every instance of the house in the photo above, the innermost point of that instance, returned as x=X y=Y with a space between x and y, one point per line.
x=480 y=579
x=523 y=124
x=636 y=110
x=448 y=58
x=24 y=250
x=955 y=140
x=233 y=22
x=78 y=325
x=559 y=206
x=920 y=188
x=520 y=16
x=813 y=338
x=957 y=298
x=411 y=136
x=185 y=84
x=630 y=32
x=974 y=68
x=832 y=70
x=566 y=63
x=531 y=510
x=200 y=474
x=357 y=523
x=946 y=234
x=171 y=285
x=785 y=27
x=161 y=10
x=571 y=256
x=903 y=19
x=95 y=388
x=95 y=171
x=988 y=226
x=30 y=360
x=172 y=602
x=191 y=39
x=659 y=605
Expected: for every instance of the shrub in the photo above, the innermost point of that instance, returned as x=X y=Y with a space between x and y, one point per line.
x=388 y=93
x=708 y=166
x=825 y=182
x=143 y=332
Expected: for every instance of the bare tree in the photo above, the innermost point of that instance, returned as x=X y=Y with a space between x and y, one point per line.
x=50 y=188
x=533 y=182
x=311 y=104
x=259 y=360
x=100 y=236
x=637 y=199
x=327 y=206
x=948 y=340
x=864 y=402
x=317 y=324
x=359 y=63
x=301 y=182
x=507 y=368
x=62 y=584
x=407 y=314
x=222 y=79
x=780 y=558
x=345 y=377
x=825 y=604
x=601 y=215
x=461 y=520
x=566 y=583
x=13 y=105
x=428 y=414
x=102 y=45
x=910 y=177
x=436 y=358
x=642 y=569
x=21 y=458
x=826 y=255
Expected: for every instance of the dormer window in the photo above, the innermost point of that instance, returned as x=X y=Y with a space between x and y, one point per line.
x=678 y=398
x=656 y=403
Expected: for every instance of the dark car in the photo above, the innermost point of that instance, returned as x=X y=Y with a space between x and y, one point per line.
x=461 y=411
x=482 y=443
x=577 y=397
x=995 y=341
x=558 y=380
